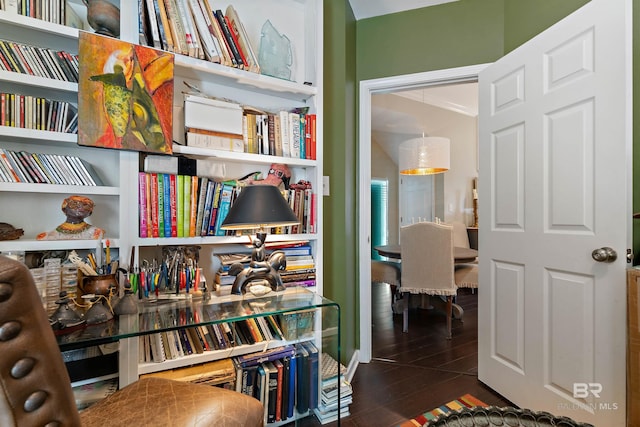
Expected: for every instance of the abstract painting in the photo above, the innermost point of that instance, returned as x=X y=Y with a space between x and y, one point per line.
x=125 y=95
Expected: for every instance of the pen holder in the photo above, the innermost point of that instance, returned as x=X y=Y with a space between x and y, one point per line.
x=103 y=284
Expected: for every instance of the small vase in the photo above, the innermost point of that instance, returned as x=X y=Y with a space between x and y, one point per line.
x=103 y=17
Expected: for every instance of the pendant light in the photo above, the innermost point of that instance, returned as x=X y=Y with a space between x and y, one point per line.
x=424 y=156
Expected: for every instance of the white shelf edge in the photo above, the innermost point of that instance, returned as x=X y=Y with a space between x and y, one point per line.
x=208 y=356
x=30 y=245
x=258 y=81
x=37 y=25
x=218 y=240
x=93 y=380
x=23 y=187
x=37 y=81
x=15 y=132
x=232 y=156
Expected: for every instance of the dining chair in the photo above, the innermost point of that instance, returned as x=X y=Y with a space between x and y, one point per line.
x=466 y=274
x=427 y=265
x=388 y=272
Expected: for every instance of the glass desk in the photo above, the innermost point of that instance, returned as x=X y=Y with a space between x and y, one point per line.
x=301 y=314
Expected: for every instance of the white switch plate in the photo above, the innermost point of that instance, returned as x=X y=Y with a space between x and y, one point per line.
x=325 y=185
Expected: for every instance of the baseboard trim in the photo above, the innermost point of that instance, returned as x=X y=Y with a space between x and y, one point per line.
x=353 y=366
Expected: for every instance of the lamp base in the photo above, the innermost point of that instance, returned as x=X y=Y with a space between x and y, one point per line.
x=261 y=271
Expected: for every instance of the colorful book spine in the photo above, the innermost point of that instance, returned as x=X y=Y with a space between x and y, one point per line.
x=223 y=208
x=161 y=202
x=153 y=191
x=302 y=137
x=166 y=186
x=173 y=204
x=206 y=215
x=202 y=194
x=193 y=204
x=186 y=215
x=312 y=136
x=214 y=209
x=180 y=204
x=142 y=203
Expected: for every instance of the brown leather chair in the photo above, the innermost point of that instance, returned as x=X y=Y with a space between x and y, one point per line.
x=36 y=390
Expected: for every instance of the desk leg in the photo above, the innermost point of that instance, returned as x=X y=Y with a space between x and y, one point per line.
x=128 y=361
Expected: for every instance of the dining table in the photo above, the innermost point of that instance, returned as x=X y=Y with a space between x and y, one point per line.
x=460 y=254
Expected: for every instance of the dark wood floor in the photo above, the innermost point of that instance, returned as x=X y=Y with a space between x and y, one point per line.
x=417 y=371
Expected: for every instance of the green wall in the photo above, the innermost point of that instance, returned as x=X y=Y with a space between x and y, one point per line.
x=466 y=32
x=455 y=34
x=339 y=226
x=526 y=18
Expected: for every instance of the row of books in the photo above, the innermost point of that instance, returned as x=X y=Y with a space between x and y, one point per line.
x=182 y=342
x=287 y=134
x=31 y=112
x=285 y=380
x=40 y=168
x=38 y=61
x=226 y=125
x=46 y=10
x=197 y=29
x=189 y=206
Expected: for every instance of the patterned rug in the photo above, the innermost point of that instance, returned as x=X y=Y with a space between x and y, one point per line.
x=467 y=401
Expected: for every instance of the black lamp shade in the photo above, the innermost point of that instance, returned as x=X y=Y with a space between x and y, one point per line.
x=259 y=206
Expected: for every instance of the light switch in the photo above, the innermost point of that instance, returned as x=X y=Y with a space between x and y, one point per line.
x=325 y=185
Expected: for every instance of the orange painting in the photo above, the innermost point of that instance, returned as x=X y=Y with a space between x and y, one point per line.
x=125 y=95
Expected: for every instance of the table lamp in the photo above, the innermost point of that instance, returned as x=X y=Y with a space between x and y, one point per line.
x=259 y=207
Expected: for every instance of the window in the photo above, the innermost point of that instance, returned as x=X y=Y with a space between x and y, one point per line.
x=379 y=215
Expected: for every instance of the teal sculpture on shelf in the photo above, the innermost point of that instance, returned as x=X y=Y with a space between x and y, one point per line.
x=275 y=55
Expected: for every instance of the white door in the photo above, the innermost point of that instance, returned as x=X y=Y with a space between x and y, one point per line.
x=555 y=159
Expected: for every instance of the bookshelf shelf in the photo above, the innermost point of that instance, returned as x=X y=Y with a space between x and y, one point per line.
x=188 y=67
x=38 y=135
x=37 y=25
x=22 y=187
x=219 y=240
x=47 y=245
x=245 y=158
x=36 y=81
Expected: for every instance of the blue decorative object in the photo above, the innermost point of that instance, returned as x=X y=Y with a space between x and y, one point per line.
x=275 y=55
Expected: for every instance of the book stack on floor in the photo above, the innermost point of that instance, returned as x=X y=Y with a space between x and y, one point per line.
x=331 y=395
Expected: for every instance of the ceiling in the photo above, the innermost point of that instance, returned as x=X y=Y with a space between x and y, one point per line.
x=460 y=98
x=368 y=8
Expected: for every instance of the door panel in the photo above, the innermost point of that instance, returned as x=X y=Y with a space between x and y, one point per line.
x=555 y=162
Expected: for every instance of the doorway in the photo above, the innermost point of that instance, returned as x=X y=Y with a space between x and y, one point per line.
x=369 y=88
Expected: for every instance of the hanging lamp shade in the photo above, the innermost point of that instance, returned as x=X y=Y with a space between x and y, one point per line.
x=424 y=156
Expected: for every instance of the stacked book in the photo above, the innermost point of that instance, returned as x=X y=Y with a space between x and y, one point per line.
x=284 y=379
x=31 y=112
x=219 y=124
x=219 y=373
x=38 y=61
x=196 y=28
x=336 y=391
x=39 y=168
